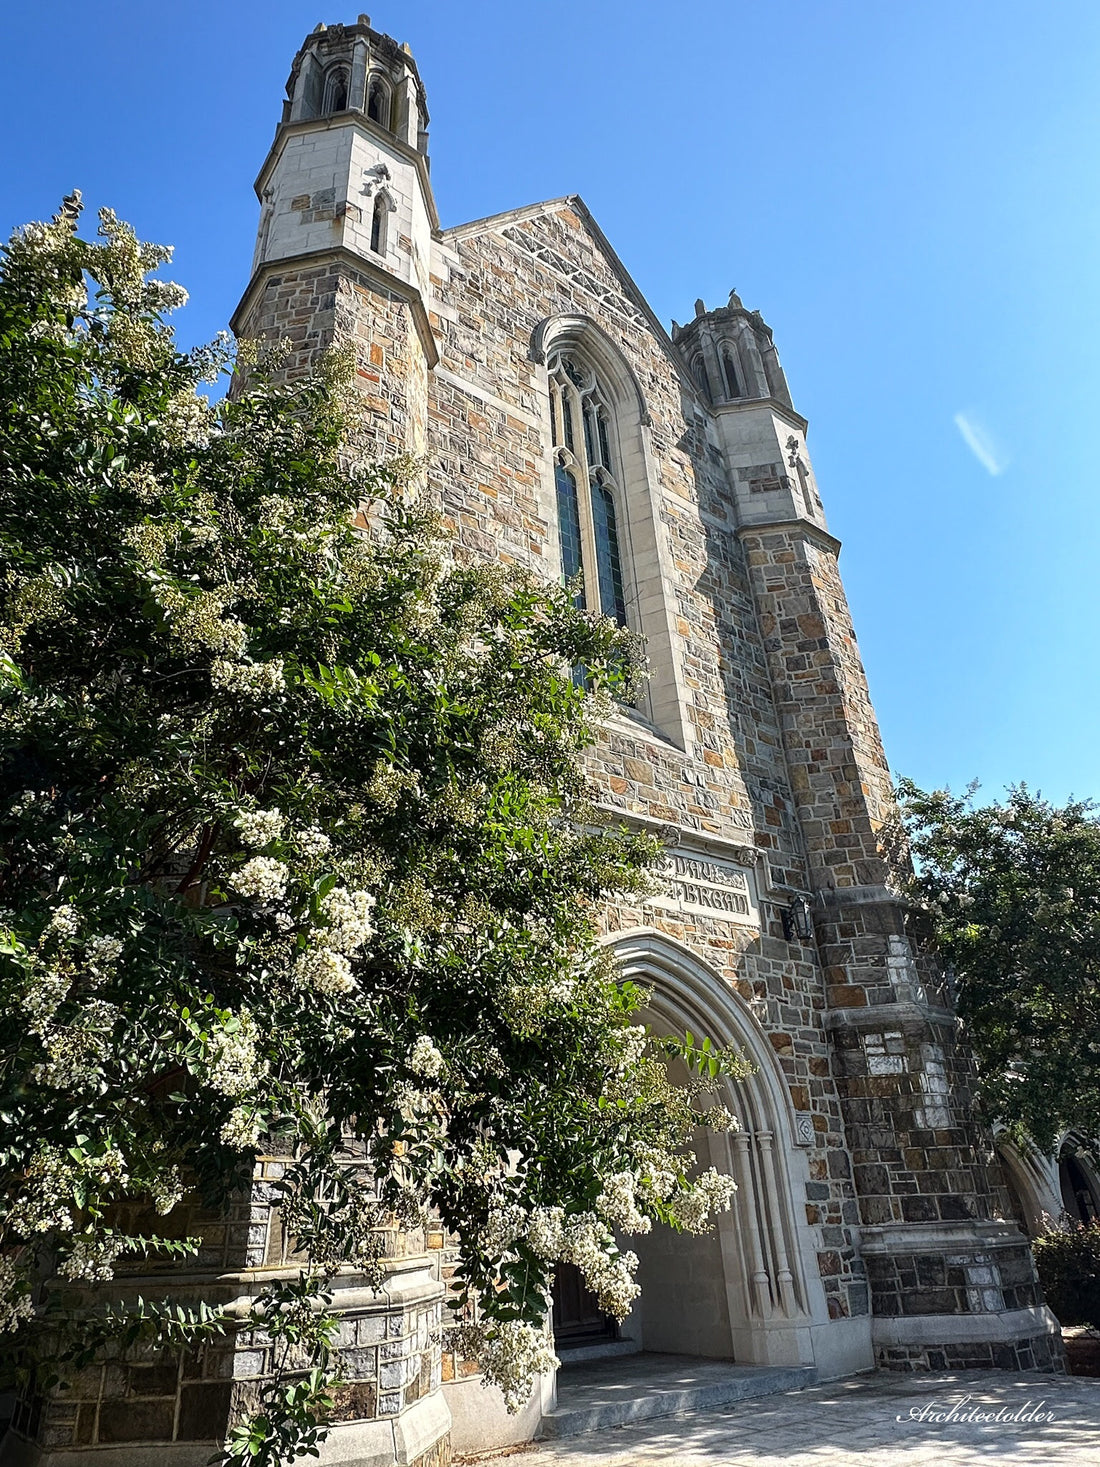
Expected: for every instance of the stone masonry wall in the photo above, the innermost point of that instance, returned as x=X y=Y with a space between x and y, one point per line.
x=388 y=1345
x=490 y=447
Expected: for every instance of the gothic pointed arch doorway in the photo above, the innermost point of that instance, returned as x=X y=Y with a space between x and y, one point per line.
x=749 y=1290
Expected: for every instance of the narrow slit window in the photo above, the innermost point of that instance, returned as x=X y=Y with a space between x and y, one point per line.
x=378 y=224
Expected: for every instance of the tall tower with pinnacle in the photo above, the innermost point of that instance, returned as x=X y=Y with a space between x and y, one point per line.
x=346 y=223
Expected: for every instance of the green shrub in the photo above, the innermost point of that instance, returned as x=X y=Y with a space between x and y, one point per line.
x=1069 y=1270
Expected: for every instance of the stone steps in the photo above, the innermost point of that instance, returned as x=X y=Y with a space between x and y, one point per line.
x=596 y=1395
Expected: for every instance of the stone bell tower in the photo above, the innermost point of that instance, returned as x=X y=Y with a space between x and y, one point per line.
x=346 y=224
x=951 y=1285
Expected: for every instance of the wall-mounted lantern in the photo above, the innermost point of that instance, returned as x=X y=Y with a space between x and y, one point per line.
x=798 y=920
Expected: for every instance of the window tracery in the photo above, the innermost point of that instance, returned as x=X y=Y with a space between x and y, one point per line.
x=336 y=90
x=729 y=367
x=378 y=101
x=587 y=484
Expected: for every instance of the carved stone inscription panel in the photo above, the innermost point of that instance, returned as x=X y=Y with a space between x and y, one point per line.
x=703 y=884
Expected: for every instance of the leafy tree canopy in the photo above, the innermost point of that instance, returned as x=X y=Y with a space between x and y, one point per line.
x=1014 y=891
x=296 y=852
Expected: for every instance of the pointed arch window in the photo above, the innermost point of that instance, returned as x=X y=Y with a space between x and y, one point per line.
x=729 y=368
x=336 y=90
x=587 y=484
x=378 y=101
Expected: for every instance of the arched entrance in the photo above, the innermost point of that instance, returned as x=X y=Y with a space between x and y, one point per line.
x=750 y=1289
x=1078 y=1181
x=1032 y=1186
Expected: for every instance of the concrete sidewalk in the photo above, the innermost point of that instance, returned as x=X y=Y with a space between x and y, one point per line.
x=856 y=1422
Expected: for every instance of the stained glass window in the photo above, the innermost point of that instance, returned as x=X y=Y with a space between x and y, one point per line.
x=569 y=522
x=609 y=570
x=588 y=526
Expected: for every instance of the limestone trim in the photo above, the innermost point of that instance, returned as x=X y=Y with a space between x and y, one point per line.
x=1034 y=1178
x=748 y=404
x=372 y=130
x=891 y=1239
x=835 y=897
x=647 y=567
x=679 y=835
x=770 y=1275
x=370 y=271
x=904 y=1015
x=554 y=333
x=805 y=526
x=1010 y=1325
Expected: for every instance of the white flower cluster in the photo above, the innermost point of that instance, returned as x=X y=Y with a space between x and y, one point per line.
x=148 y=542
x=658 y=1170
x=46 y=990
x=312 y=842
x=711 y=1193
x=102 y=954
x=617 y=1204
x=166 y=1190
x=108 y=1169
x=414 y=1106
x=511 y=1354
x=275 y=511
x=65 y=921
x=92 y=1260
x=73 y=1058
x=15 y=1302
x=324 y=970
x=43 y=1202
x=241 y=1129
x=629 y=1048
x=259 y=827
x=324 y=965
x=607 y=1272
x=233 y=1064
x=254 y=679
x=23 y=803
x=348 y=914
x=163 y=296
x=503 y=1227
x=198 y=622
x=584 y=1240
x=262 y=877
x=718 y=1118
x=425 y=1059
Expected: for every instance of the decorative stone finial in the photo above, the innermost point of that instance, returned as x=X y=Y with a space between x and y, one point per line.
x=735 y=299
x=364 y=19
x=700 y=308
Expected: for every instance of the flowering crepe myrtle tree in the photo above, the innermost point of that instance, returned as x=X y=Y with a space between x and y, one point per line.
x=1013 y=892
x=296 y=849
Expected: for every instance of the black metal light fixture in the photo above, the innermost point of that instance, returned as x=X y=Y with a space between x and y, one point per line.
x=798 y=920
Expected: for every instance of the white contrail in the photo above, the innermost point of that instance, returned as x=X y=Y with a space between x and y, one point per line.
x=981 y=444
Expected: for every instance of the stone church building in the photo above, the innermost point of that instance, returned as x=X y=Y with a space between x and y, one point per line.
x=566 y=430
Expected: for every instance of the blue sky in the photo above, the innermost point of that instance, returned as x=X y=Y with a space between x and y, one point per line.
x=906 y=191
